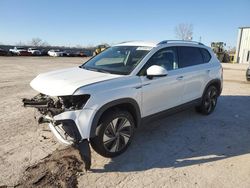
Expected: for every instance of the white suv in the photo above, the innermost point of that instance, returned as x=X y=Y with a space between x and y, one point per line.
x=106 y=98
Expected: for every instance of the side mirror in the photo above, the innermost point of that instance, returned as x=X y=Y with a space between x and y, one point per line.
x=156 y=71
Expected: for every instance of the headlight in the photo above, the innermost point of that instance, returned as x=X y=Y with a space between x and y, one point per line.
x=74 y=102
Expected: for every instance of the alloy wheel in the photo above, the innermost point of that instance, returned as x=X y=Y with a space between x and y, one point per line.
x=210 y=100
x=117 y=134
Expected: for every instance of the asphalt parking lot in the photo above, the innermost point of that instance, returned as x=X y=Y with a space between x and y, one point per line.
x=182 y=150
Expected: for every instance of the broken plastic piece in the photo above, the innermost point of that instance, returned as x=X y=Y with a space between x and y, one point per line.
x=83 y=147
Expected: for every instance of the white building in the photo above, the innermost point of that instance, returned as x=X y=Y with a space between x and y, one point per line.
x=243 y=45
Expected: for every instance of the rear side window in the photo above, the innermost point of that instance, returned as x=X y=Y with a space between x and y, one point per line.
x=189 y=56
x=206 y=55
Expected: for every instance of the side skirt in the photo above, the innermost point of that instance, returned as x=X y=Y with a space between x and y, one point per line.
x=171 y=111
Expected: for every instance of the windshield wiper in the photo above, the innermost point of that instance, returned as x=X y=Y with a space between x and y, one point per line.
x=104 y=71
x=87 y=68
x=93 y=69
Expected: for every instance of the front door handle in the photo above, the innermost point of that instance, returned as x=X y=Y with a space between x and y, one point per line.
x=180 y=78
x=145 y=84
x=140 y=86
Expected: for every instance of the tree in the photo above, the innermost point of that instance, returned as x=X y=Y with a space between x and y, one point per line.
x=184 y=31
x=38 y=42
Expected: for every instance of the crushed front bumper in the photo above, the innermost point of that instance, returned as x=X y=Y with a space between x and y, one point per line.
x=59 y=134
x=67 y=133
x=66 y=127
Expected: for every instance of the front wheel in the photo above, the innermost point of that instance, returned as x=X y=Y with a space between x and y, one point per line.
x=209 y=101
x=114 y=133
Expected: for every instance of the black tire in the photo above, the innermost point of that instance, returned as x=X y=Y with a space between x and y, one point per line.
x=209 y=101
x=109 y=130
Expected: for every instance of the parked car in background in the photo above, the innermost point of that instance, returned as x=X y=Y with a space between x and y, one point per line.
x=72 y=53
x=248 y=74
x=21 y=51
x=69 y=53
x=44 y=52
x=55 y=53
x=34 y=51
x=81 y=54
x=3 y=52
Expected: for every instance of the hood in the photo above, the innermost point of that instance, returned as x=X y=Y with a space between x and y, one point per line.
x=67 y=81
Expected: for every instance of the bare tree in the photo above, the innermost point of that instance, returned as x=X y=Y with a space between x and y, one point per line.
x=44 y=43
x=184 y=31
x=38 y=42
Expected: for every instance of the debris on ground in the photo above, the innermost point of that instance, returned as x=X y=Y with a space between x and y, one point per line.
x=60 y=169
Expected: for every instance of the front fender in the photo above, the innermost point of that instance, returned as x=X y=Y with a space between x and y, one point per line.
x=111 y=104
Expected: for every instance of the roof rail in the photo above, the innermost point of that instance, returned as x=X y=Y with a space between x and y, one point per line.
x=125 y=41
x=184 y=41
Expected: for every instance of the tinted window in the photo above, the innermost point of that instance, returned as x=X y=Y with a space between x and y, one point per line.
x=167 y=58
x=189 y=56
x=206 y=55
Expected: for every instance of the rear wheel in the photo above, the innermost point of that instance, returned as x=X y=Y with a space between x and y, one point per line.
x=114 y=133
x=209 y=101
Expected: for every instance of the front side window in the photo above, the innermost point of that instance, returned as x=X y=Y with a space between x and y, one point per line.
x=117 y=59
x=189 y=56
x=166 y=57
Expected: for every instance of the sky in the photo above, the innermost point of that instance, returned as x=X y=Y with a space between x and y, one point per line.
x=85 y=22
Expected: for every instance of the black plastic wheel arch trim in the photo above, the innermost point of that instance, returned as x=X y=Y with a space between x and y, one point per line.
x=113 y=104
x=212 y=82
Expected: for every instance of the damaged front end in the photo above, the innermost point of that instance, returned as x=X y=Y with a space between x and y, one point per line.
x=65 y=130
x=47 y=107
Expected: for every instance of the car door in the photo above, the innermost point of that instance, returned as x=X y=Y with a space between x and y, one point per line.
x=161 y=93
x=195 y=72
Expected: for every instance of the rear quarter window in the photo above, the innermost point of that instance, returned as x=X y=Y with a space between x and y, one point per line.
x=206 y=55
x=189 y=56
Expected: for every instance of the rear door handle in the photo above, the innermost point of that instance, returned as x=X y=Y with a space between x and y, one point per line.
x=180 y=78
x=208 y=71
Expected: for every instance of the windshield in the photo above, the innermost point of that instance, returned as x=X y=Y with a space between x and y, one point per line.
x=117 y=59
